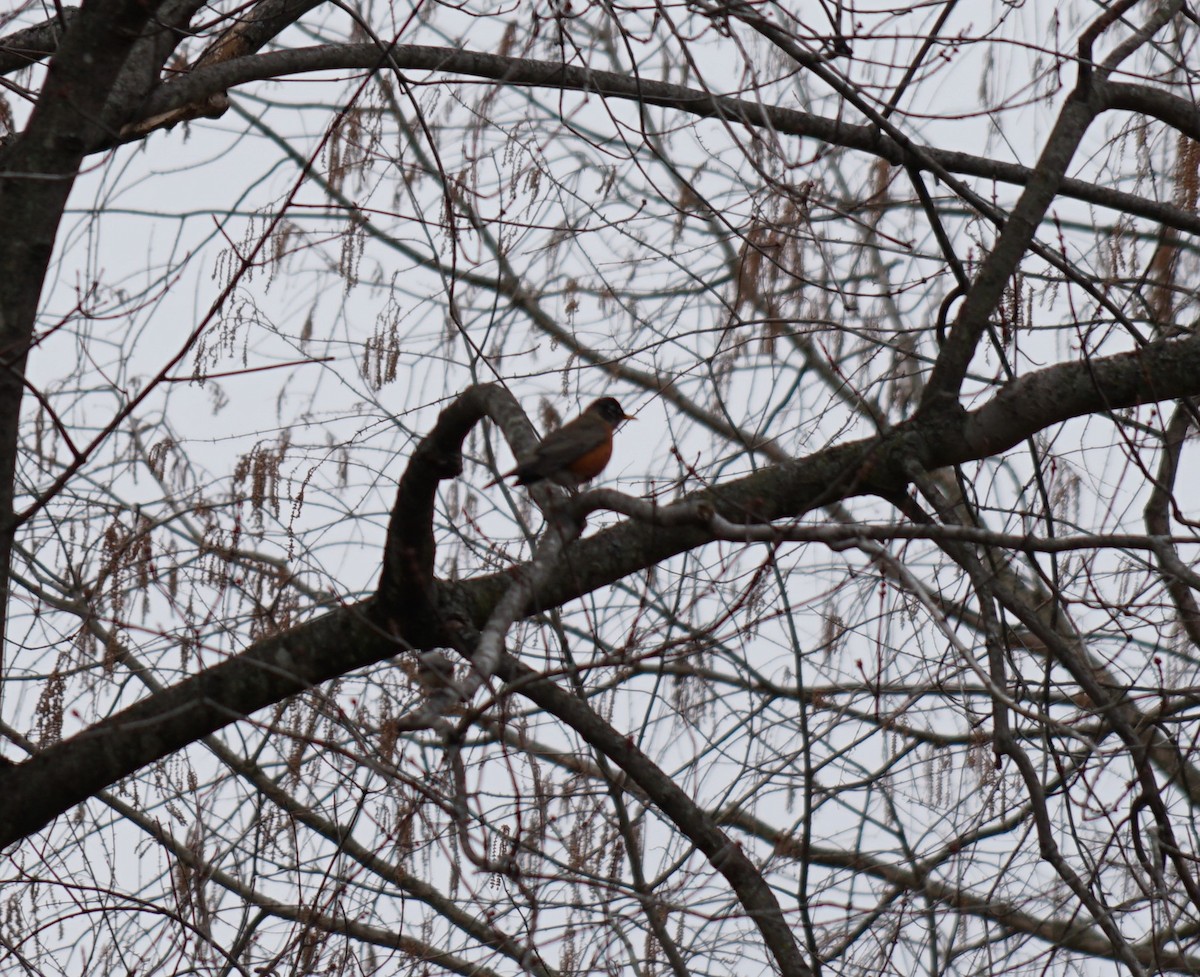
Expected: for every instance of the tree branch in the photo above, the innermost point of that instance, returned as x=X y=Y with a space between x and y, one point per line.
x=723 y=853
x=202 y=82
x=1181 y=114
x=22 y=48
x=345 y=639
x=408 y=553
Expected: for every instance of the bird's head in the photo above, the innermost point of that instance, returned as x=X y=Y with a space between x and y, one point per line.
x=609 y=411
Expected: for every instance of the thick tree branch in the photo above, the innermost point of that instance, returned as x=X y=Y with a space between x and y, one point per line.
x=408 y=554
x=67 y=773
x=202 y=82
x=255 y=28
x=22 y=48
x=1181 y=114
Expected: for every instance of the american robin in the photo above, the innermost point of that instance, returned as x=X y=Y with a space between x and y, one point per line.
x=577 y=452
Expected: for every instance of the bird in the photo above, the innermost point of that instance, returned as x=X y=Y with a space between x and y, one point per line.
x=577 y=452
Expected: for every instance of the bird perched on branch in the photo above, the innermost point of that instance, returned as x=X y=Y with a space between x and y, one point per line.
x=577 y=452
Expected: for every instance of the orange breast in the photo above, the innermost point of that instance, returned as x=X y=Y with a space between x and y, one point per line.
x=588 y=466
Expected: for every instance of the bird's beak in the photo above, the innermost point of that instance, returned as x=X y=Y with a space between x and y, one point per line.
x=628 y=417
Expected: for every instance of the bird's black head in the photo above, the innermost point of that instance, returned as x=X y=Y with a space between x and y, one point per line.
x=610 y=410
